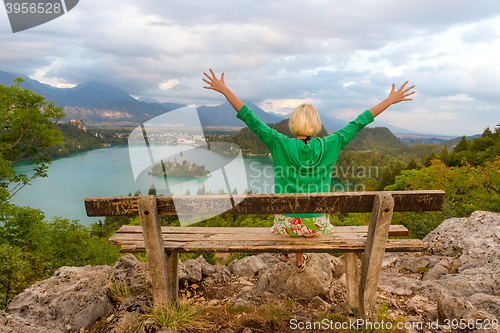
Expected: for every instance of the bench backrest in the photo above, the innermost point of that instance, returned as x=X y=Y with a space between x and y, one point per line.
x=293 y=203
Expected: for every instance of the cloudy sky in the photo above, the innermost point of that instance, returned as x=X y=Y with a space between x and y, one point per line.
x=341 y=56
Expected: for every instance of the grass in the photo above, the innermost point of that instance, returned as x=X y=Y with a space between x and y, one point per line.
x=182 y=318
x=119 y=291
x=423 y=270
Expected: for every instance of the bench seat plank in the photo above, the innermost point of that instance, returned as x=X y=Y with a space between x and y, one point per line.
x=259 y=240
x=394 y=230
x=332 y=246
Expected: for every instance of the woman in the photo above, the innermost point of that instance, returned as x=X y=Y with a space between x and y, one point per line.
x=304 y=164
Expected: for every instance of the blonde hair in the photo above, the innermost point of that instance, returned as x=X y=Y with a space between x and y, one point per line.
x=304 y=120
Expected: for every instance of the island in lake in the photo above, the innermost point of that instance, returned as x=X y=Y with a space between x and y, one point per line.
x=179 y=169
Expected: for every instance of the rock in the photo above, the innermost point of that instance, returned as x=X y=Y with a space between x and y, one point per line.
x=206 y=268
x=166 y=330
x=247 y=330
x=248 y=266
x=450 y=307
x=419 y=303
x=10 y=323
x=435 y=273
x=487 y=303
x=244 y=282
x=391 y=317
x=460 y=285
x=242 y=303
x=413 y=264
x=213 y=303
x=130 y=309
x=73 y=298
x=149 y=326
x=226 y=330
x=221 y=275
x=314 y=281
x=182 y=272
x=317 y=304
x=476 y=240
x=194 y=270
x=134 y=273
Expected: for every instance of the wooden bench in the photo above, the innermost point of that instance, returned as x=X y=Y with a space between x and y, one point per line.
x=163 y=244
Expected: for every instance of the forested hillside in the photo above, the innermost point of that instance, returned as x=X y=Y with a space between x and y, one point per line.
x=377 y=138
x=74 y=140
x=474 y=152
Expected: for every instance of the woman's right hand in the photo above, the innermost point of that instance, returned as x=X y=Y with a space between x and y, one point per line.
x=400 y=95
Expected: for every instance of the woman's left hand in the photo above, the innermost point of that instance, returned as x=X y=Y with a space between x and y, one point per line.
x=214 y=83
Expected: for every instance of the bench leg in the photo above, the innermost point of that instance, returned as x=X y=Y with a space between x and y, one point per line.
x=157 y=258
x=376 y=241
x=173 y=277
x=352 y=280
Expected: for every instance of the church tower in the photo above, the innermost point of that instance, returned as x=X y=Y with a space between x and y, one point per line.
x=180 y=159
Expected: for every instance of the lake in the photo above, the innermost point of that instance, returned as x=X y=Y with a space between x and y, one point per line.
x=111 y=171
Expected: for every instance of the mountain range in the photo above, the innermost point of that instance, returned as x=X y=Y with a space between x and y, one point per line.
x=100 y=104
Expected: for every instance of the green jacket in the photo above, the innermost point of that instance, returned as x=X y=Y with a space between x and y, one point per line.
x=300 y=167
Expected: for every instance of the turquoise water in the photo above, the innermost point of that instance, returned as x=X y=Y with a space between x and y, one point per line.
x=108 y=172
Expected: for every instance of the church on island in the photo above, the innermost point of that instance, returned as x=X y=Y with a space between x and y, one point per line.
x=179 y=169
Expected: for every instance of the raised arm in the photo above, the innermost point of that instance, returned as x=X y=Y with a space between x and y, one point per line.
x=220 y=86
x=395 y=96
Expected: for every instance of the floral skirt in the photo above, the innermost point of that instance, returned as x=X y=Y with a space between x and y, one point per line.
x=307 y=227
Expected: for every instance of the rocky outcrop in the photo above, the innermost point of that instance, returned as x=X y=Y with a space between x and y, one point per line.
x=461 y=272
x=459 y=278
x=316 y=280
x=134 y=273
x=73 y=298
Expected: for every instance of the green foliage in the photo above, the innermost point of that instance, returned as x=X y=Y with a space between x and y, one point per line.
x=152 y=190
x=74 y=140
x=378 y=138
x=26 y=128
x=112 y=135
x=174 y=169
x=32 y=248
x=211 y=258
x=467 y=189
x=475 y=152
x=13 y=268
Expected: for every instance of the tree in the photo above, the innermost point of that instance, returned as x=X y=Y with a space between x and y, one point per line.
x=202 y=191
x=26 y=129
x=462 y=145
x=152 y=190
x=445 y=156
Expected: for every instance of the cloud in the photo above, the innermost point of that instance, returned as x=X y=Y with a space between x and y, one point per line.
x=341 y=56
